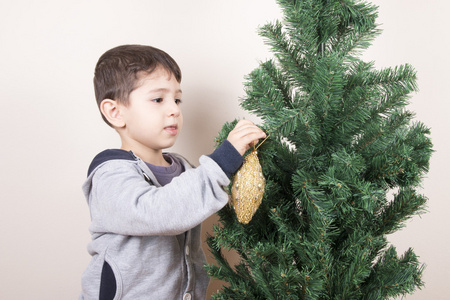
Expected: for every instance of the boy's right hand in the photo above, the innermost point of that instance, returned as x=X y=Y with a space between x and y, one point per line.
x=245 y=135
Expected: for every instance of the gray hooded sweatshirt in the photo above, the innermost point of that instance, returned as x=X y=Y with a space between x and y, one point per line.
x=146 y=239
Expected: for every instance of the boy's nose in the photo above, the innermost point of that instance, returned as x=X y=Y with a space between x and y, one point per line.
x=174 y=110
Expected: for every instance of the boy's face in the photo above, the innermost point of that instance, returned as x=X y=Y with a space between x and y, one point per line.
x=153 y=117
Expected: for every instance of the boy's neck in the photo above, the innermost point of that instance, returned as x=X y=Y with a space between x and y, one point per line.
x=154 y=157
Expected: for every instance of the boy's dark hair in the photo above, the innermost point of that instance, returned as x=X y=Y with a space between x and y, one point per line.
x=116 y=72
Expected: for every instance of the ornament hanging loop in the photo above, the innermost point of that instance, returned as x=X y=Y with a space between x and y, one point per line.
x=257 y=146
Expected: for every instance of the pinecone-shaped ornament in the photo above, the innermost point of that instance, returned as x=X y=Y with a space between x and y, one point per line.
x=248 y=188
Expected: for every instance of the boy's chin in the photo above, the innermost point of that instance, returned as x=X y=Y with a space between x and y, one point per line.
x=169 y=145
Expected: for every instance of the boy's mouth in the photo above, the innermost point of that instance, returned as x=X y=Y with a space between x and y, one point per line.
x=172 y=129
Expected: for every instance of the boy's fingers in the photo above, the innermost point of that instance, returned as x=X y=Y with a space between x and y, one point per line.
x=245 y=127
x=252 y=139
x=243 y=122
x=245 y=135
x=255 y=135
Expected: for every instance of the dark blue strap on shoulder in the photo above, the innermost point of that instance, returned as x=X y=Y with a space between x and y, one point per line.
x=109 y=154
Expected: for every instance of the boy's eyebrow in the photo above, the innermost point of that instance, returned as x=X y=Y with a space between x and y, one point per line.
x=164 y=90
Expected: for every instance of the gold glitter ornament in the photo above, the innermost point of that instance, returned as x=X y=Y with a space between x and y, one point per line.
x=248 y=188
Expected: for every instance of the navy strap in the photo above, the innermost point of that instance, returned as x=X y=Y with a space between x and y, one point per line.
x=109 y=154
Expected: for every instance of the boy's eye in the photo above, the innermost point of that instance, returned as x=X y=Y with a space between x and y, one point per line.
x=157 y=100
x=178 y=101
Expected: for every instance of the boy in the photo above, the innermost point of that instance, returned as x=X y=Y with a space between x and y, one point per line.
x=147 y=206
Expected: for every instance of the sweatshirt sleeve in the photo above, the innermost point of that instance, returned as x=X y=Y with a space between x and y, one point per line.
x=121 y=202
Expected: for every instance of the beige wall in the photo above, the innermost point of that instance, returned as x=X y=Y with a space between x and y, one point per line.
x=50 y=129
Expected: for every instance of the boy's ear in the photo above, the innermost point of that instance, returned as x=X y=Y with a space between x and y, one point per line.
x=111 y=109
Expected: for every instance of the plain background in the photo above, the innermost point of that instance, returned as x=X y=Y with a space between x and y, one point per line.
x=50 y=128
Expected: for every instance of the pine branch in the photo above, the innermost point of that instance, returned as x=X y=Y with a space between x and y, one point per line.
x=288 y=54
x=268 y=102
x=223 y=270
x=405 y=205
x=266 y=91
x=326 y=95
x=399 y=159
x=282 y=84
x=301 y=22
x=392 y=276
x=380 y=132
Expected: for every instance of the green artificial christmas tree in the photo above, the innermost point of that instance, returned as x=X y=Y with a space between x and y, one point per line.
x=342 y=165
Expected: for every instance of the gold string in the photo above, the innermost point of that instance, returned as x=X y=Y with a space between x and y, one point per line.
x=262 y=142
